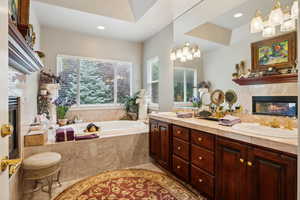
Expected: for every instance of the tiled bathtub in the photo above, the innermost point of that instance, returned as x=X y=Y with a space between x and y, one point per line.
x=121 y=144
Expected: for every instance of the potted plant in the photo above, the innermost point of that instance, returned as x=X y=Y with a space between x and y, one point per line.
x=197 y=103
x=131 y=105
x=62 y=107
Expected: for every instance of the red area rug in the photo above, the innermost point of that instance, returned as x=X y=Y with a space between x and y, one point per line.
x=131 y=184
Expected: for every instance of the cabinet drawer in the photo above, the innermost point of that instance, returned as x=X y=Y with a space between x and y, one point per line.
x=203 y=159
x=181 y=148
x=181 y=132
x=203 y=139
x=181 y=168
x=202 y=181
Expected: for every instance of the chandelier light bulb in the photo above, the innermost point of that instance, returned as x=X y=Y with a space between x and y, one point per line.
x=183 y=59
x=179 y=53
x=288 y=25
x=173 y=56
x=295 y=10
x=276 y=16
x=190 y=56
x=269 y=31
x=257 y=24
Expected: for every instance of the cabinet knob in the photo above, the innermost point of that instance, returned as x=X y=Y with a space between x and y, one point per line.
x=249 y=163
x=200 y=180
x=200 y=158
x=199 y=139
x=178 y=167
x=178 y=132
x=242 y=160
x=179 y=148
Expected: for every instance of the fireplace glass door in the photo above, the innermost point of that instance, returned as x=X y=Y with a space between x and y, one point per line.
x=14 y=121
x=275 y=105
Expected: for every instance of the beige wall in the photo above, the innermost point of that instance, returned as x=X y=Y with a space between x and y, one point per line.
x=57 y=41
x=160 y=46
x=219 y=64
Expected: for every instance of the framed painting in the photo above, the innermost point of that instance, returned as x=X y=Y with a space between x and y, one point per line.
x=13 y=10
x=278 y=52
x=19 y=14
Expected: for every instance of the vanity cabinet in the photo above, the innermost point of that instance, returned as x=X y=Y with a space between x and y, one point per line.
x=159 y=138
x=223 y=169
x=245 y=172
x=271 y=175
x=230 y=170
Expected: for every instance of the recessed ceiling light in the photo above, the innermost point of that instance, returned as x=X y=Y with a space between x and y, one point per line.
x=238 y=15
x=100 y=27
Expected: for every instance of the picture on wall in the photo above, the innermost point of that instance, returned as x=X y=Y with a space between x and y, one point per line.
x=14 y=10
x=275 y=54
x=278 y=52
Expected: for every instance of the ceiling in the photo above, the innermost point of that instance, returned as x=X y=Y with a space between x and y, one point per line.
x=137 y=20
x=248 y=9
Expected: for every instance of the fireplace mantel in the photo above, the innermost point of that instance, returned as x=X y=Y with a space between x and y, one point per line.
x=21 y=56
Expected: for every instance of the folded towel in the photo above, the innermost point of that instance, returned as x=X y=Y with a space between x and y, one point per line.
x=184 y=115
x=229 y=120
x=86 y=137
x=64 y=134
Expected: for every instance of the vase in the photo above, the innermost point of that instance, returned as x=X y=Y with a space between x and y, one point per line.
x=196 y=112
x=62 y=122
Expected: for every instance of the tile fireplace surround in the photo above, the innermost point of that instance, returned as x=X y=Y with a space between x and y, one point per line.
x=245 y=93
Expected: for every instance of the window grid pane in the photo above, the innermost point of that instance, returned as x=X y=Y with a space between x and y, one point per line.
x=179 y=85
x=184 y=83
x=190 y=84
x=94 y=81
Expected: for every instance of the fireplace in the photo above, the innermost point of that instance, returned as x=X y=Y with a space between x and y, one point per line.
x=14 y=120
x=275 y=105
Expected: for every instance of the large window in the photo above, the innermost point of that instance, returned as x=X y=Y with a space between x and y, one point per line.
x=153 y=79
x=94 y=81
x=185 y=81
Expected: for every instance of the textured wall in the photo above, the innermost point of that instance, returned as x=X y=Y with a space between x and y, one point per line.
x=56 y=41
x=219 y=64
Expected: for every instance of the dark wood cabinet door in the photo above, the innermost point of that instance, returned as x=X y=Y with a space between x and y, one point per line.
x=271 y=175
x=230 y=170
x=164 y=142
x=154 y=140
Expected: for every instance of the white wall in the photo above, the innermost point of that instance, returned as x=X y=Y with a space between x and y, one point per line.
x=160 y=46
x=57 y=41
x=31 y=88
x=219 y=64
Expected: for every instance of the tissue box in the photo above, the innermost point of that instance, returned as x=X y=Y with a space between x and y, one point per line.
x=36 y=138
x=63 y=135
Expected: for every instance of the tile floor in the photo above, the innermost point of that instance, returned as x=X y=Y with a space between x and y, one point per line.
x=57 y=190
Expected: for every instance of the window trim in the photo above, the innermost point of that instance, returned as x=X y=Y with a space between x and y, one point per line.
x=186 y=102
x=115 y=104
x=154 y=106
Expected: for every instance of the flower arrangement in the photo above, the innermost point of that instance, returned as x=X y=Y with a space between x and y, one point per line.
x=63 y=106
x=197 y=102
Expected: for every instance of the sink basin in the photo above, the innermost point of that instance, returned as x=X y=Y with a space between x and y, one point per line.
x=266 y=131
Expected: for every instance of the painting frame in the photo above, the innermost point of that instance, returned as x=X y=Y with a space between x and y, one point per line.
x=19 y=11
x=287 y=61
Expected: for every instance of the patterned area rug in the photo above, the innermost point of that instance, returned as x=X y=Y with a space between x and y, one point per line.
x=131 y=184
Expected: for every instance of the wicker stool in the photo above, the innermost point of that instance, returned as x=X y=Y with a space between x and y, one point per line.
x=42 y=166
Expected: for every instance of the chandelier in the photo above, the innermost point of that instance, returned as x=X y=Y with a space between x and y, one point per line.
x=285 y=18
x=187 y=52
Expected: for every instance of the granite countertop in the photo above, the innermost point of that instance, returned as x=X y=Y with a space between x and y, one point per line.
x=280 y=144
